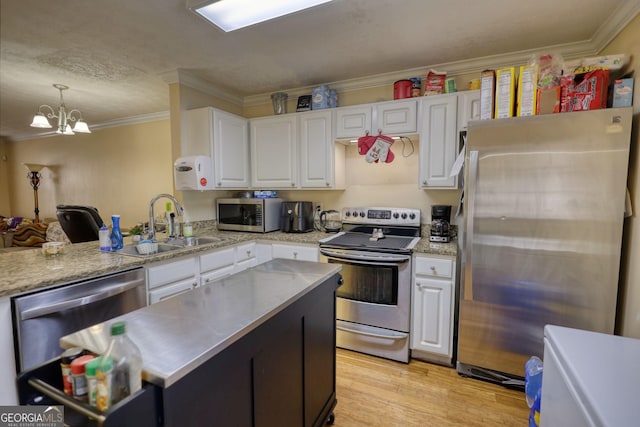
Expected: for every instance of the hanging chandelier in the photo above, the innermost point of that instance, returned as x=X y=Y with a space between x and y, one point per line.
x=40 y=120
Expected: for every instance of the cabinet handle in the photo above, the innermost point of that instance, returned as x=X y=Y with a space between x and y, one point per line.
x=219 y=184
x=194 y=285
x=433 y=268
x=249 y=254
x=295 y=255
x=293 y=184
x=424 y=182
x=328 y=184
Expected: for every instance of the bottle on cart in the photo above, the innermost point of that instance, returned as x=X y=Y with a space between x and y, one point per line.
x=119 y=374
x=117 y=241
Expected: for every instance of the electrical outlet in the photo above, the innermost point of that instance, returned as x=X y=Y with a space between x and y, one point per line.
x=319 y=207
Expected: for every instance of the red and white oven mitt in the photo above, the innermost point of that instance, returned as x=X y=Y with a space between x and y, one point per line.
x=376 y=148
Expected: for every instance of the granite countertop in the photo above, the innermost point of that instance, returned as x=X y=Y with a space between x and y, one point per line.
x=177 y=335
x=27 y=270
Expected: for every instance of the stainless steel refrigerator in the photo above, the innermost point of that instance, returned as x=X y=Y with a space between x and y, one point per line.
x=543 y=212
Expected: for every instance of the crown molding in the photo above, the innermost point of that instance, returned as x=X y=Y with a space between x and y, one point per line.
x=185 y=78
x=143 y=118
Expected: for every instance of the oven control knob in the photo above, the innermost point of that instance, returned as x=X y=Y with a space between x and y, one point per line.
x=355 y=214
x=404 y=215
x=347 y=214
x=396 y=215
x=412 y=215
x=361 y=214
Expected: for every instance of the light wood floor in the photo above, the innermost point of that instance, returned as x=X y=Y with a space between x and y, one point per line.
x=376 y=392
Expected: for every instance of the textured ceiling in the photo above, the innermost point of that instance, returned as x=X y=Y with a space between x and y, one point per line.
x=113 y=53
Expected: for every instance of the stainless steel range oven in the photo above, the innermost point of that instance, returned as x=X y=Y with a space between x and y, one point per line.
x=374 y=302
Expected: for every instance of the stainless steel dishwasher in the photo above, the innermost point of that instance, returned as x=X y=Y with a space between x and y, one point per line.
x=41 y=318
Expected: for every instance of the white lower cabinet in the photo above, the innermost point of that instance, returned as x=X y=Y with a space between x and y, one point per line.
x=170 y=278
x=245 y=256
x=220 y=263
x=433 y=300
x=216 y=264
x=297 y=252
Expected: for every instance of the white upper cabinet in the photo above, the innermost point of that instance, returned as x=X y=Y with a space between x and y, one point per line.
x=353 y=122
x=396 y=117
x=317 y=161
x=468 y=108
x=296 y=150
x=222 y=136
x=438 y=141
x=274 y=154
x=390 y=118
x=231 y=150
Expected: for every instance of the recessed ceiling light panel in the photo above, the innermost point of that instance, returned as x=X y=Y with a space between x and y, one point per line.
x=231 y=15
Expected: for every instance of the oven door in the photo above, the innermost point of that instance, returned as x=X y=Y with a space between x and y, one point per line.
x=376 y=289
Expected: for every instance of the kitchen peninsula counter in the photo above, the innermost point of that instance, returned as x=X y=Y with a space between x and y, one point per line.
x=24 y=271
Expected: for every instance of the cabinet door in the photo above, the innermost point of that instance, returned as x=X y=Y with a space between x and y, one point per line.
x=273 y=152
x=352 y=122
x=217 y=259
x=438 y=141
x=168 y=272
x=230 y=150
x=468 y=108
x=316 y=150
x=395 y=118
x=245 y=257
x=302 y=253
x=164 y=292
x=432 y=316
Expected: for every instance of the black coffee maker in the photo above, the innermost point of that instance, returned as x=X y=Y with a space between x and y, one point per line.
x=440 y=215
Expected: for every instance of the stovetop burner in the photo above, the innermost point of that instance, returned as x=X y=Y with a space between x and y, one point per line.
x=393 y=230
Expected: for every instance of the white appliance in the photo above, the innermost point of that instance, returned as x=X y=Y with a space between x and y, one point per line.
x=193 y=173
x=589 y=379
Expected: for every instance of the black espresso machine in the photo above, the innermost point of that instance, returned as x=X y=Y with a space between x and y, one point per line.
x=440 y=216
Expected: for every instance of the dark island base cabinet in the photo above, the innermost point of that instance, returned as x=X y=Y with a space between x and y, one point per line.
x=280 y=374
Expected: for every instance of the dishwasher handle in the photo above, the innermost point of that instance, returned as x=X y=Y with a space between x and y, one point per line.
x=44 y=310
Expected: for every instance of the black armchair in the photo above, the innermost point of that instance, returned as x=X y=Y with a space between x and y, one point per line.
x=80 y=223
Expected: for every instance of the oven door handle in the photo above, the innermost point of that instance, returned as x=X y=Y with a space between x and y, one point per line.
x=392 y=335
x=388 y=258
x=44 y=310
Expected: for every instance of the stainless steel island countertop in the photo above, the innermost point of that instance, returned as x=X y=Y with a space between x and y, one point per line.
x=179 y=334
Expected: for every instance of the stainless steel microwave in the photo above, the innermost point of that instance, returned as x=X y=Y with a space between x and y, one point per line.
x=253 y=215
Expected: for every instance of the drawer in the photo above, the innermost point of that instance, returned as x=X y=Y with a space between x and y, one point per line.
x=216 y=259
x=436 y=267
x=301 y=253
x=245 y=251
x=158 y=275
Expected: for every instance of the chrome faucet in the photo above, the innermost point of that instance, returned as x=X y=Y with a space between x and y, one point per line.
x=152 y=225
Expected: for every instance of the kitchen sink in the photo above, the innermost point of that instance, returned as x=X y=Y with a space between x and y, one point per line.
x=131 y=250
x=193 y=241
x=169 y=245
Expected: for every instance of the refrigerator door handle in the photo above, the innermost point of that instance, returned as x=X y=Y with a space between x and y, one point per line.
x=472 y=181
